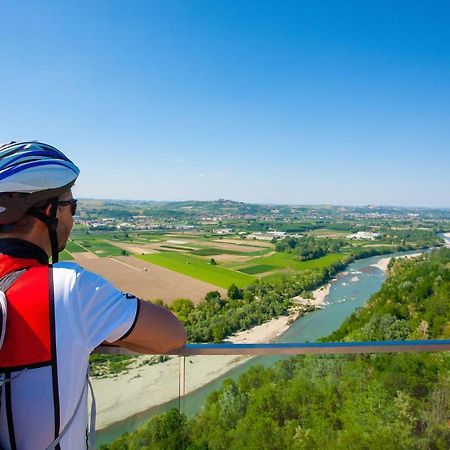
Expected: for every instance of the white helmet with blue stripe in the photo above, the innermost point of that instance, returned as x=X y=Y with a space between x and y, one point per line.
x=30 y=173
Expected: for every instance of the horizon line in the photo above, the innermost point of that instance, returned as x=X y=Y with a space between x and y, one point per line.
x=366 y=205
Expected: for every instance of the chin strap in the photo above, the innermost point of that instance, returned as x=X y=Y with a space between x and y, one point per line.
x=52 y=223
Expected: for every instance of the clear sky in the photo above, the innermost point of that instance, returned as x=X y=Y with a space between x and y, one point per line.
x=336 y=102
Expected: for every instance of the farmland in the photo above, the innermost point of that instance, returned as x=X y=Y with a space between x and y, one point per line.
x=287 y=261
x=170 y=266
x=199 y=268
x=192 y=252
x=145 y=280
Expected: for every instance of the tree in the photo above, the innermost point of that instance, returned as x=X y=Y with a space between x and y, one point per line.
x=212 y=296
x=234 y=293
x=182 y=307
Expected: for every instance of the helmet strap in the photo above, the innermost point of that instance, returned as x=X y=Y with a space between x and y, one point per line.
x=52 y=223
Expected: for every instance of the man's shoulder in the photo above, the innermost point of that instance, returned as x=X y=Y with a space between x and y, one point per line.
x=69 y=270
x=67 y=267
x=75 y=277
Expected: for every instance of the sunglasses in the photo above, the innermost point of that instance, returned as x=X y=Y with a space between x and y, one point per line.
x=72 y=203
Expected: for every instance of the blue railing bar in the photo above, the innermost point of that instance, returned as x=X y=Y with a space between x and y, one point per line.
x=314 y=348
x=301 y=348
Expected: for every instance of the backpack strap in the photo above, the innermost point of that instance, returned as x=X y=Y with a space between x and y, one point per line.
x=91 y=443
x=4 y=380
x=5 y=283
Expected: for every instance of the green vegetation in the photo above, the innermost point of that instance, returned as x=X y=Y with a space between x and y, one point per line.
x=325 y=232
x=412 y=304
x=234 y=293
x=288 y=261
x=101 y=365
x=360 y=402
x=175 y=247
x=410 y=238
x=73 y=247
x=309 y=247
x=210 y=251
x=107 y=366
x=99 y=247
x=216 y=318
x=198 y=268
x=261 y=268
x=65 y=256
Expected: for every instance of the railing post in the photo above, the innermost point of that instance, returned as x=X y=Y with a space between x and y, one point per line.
x=181 y=383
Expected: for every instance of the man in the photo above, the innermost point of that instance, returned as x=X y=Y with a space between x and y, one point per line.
x=53 y=316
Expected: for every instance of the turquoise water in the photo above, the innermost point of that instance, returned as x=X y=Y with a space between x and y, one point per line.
x=350 y=290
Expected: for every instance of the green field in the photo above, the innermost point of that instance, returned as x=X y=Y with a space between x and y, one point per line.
x=198 y=268
x=210 y=251
x=254 y=270
x=65 y=256
x=73 y=247
x=174 y=247
x=117 y=236
x=327 y=232
x=262 y=252
x=99 y=247
x=288 y=261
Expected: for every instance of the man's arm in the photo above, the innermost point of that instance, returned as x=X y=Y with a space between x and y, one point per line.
x=156 y=330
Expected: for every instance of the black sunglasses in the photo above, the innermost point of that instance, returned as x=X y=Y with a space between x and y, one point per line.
x=72 y=203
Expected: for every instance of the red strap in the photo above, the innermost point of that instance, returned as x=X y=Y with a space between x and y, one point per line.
x=27 y=338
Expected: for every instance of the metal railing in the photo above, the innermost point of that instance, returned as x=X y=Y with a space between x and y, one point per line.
x=283 y=349
x=319 y=348
x=322 y=348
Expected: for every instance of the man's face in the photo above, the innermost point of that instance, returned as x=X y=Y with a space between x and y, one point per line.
x=65 y=220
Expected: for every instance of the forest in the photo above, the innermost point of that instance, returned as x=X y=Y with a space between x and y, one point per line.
x=380 y=401
x=309 y=247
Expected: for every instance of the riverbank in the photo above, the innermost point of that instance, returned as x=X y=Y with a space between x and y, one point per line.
x=383 y=263
x=318 y=297
x=447 y=239
x=144 y=387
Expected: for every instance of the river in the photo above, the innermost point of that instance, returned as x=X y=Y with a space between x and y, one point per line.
x=349 y=290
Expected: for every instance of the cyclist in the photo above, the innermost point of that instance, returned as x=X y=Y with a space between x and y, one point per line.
x=54 y=315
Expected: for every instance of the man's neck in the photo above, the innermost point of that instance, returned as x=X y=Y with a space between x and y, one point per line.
x=21 y=248
x=37 y=237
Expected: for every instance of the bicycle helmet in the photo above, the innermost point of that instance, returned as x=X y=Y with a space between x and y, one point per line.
x=31 y=174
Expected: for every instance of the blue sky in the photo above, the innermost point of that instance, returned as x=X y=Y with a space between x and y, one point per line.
x=302 y=102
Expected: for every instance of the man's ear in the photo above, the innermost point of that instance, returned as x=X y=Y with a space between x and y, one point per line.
x=47 y=209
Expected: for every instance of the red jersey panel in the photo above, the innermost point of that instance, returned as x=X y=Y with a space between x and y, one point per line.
x=27 y=338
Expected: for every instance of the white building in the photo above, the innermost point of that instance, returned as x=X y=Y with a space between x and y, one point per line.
x=268 y=236
x=364 y=235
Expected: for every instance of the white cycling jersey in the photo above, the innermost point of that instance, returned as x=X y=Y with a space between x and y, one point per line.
x=36 y=405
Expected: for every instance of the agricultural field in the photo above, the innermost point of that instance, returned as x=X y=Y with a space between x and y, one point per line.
x=279 y=261
x=65 y=256
x=171 y=265
x=199 y=268
x=146 y=281
x=190 y=264
x=324 y=232
x=73 y=247
x=100 y=247
x=244 y=242
x=255 y=270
